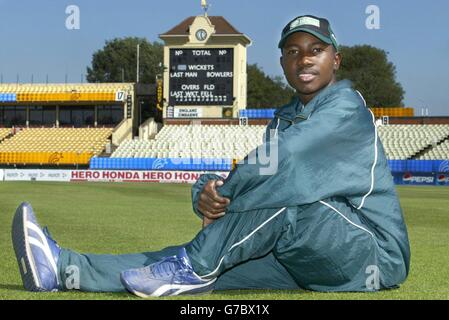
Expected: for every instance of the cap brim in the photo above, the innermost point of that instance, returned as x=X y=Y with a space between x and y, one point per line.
x=313 y=33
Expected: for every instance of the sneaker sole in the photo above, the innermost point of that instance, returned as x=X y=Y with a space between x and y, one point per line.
x=22 y=250
x=202 y=289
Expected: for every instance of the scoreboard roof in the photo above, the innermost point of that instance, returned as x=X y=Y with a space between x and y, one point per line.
x=222 y=28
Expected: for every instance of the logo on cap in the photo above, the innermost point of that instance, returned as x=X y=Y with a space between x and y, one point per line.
x=305 y=21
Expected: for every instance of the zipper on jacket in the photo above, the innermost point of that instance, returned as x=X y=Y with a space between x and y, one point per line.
x=292 y=121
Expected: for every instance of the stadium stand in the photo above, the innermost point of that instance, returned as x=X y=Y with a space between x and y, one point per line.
x=62 y=123
x=403 y=142
x=4 y=132
x=54 y=145
x=61 y=92
x=392 y=112
x=409 y=148
x=195 y=141
x=438 y=152
x=377 y=111
x=228 y=142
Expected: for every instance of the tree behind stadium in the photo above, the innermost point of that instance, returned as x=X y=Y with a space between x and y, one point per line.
x=372 y=74
x=117 y=61
x=265 y=91
x=367 y=67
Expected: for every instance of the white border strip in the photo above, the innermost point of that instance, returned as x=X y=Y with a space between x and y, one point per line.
x=241 y=241
x=344 y=217
x=374 y=163
x=361 y=97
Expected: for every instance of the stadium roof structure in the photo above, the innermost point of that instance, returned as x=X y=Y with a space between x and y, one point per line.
x=64 y=87
x=69 y=92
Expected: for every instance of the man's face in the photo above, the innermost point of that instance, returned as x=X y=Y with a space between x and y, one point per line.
x=309 y=64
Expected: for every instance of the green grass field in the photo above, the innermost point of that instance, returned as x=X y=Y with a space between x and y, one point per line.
x=124 y=218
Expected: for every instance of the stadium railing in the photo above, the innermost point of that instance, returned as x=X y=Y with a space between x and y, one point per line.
x=437 y=166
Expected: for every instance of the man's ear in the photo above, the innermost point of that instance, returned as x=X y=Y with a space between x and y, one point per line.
x=337 y=61
x=281 y=61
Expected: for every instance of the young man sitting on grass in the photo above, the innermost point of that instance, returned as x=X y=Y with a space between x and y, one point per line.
x=327 y=219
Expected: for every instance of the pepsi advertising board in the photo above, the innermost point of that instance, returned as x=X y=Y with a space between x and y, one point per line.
x=418 y=178
x=421 y=178
x=201 y=77
x=442 y=179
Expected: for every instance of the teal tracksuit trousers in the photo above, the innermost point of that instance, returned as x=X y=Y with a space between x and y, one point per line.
x=306 y=247
x=256 y=267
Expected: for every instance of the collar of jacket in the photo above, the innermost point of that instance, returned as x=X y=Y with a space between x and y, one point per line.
x=294 y=111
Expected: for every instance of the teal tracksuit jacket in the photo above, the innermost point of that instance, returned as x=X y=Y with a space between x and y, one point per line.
x=342 y=227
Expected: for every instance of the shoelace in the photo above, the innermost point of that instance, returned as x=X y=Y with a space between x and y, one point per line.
x=169 y=266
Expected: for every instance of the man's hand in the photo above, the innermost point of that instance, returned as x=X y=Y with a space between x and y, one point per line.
x=210 y=203
x=206 y=222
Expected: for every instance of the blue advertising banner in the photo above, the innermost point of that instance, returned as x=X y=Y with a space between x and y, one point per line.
x=405 y=172
x=99 y=163
x=441 y=166
x=421 y=178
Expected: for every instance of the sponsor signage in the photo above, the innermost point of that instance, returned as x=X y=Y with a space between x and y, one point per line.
x=442 y=179
x=418 y=178
x=170 y=176
x=201 y=77
x=138 y=176
x=443 y=166
x=36 y=175
x=104 y=175
x=135 y=176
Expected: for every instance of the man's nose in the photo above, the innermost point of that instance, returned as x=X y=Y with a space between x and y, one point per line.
x=304 y=60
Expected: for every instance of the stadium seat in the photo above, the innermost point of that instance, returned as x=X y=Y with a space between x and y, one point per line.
x=403 y=142
x=205 y=141
x=227 y=142
x=36 y=142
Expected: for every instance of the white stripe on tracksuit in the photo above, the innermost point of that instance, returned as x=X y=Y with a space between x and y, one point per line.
x=242 y=241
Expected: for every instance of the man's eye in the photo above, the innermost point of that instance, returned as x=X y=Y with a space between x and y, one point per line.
x=292 y=52
x=317 y=50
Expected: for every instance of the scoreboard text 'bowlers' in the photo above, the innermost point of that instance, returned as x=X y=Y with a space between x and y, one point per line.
x=201 y=77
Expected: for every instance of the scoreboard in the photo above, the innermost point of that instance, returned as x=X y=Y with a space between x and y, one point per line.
x=201 y=77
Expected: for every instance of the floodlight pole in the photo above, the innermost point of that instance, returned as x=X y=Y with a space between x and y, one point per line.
x=138 y=57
